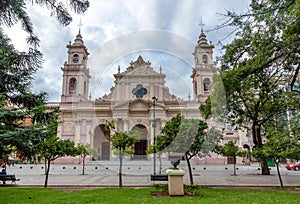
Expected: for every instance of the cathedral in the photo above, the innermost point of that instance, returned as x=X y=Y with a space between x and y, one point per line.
x=139 y=100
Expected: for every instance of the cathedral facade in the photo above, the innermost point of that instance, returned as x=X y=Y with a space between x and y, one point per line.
x=139 y=99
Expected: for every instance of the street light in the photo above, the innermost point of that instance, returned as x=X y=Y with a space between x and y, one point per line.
x=154 y=99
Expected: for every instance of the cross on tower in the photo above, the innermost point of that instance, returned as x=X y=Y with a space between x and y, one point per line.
x=201 y=24
x=79 y=25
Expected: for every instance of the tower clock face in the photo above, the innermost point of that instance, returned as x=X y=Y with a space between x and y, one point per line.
x=75 y=60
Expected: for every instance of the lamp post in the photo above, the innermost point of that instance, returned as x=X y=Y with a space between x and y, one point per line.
x=154 y=99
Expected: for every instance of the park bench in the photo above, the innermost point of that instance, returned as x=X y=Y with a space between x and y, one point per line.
x=159 y=177
x=11 y=178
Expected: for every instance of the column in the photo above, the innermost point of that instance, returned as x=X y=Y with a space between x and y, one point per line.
x=125 y=125
x=77 y=131
x=89 y=132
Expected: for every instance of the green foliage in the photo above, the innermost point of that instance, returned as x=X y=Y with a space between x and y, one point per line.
x=216 y=101
x=13 y=12
x=210 y=142
x=180 y=135
x=122 y=141
x=53 y=148
x=279 y=146
x=188 y=189
x=171 y=129
x=205 y=109
x=86 y=149
x=278 y=46
x=17 y=102
x=184 y=137
x=261 y=60
x=168 y=133
x=161 y=188
x=230 y=149
x=191 y=189
x=160 y=145
x=189 y=137
x=127 y=151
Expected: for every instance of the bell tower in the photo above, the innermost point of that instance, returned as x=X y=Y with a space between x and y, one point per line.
x=203 y=70
x=76 y=75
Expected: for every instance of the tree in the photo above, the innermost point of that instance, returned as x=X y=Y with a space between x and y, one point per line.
x=258 y=63
x=196 y=128
x=52 y=148
x=231 y=150
x=85 y=150
x=160 y=147
x=213 y=107
x=268 y=30
x=122 y=141
x=163 y=140
x=205 y=108
x=185 y=137
x=17 y=102
x=282 y=140
x=279 y=146
x=210 y=142
x=13 y=12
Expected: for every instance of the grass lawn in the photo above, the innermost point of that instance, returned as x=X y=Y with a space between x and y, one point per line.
x=143 y=195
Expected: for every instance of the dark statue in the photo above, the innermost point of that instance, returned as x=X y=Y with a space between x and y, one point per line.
x=175 y=163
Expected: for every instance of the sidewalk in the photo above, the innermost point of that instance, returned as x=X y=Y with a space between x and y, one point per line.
x=137 y=173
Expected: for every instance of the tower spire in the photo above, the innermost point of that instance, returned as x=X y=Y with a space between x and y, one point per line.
x=79 y=25
x=201 y=24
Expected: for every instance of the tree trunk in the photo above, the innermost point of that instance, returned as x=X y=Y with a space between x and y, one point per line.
x=279 y=176
x=45 y=165
x=264 y=166
x=190 y=169
x=257 y=140
x=47 y=172
x=160 y=163
x=120 y=169
x=234 y=165
x=83 y=164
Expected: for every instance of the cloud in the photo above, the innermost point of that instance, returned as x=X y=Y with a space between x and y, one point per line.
x=116 y=32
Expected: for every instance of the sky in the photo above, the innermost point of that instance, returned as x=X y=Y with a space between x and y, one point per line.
x=116 y=32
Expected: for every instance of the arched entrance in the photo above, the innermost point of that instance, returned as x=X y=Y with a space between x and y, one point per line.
x=101 y=144
x=141 y=146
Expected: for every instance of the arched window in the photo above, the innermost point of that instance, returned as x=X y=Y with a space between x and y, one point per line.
x=72 y=86
x=206 y=84
x=204 y=59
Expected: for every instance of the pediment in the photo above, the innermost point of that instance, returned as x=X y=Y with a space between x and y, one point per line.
x=140 y=68
x=139 y=105
x=121 y=105
x=143 y=70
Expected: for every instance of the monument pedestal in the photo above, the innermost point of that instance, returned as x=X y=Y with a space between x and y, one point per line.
x=175 y=181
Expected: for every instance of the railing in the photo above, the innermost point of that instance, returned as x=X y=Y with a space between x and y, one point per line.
x=52 y=104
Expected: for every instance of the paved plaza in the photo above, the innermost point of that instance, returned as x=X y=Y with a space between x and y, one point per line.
x=137 y=173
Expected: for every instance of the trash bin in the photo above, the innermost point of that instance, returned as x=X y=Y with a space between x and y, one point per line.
x=271 y=163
